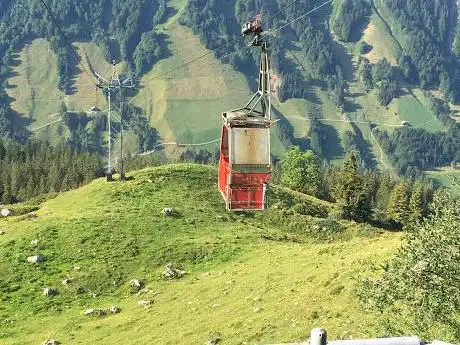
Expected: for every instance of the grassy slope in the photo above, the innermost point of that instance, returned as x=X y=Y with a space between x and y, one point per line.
x=186 y=105
x=28 y=79
x=445 y=177
x=116 y=232
x=381 y=41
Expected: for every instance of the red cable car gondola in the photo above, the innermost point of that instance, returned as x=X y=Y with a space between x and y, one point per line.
x=245 y=163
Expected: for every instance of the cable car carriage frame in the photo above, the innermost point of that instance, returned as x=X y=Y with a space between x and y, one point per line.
x=245 y=162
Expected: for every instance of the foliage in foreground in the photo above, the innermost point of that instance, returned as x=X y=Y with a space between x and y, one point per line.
x=421 y=282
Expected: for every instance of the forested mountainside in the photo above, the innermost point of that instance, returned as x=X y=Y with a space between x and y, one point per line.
x=427 y=60
x=347 y=75
x=131 y=22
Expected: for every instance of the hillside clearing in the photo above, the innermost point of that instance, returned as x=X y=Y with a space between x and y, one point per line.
x=258 y=289
x=35 y=91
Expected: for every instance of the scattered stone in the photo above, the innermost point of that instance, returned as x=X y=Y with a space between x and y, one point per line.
x=168 y=212
x=66 y=281
x=6 y=212
x=215 y=339
x=49 y=292
x=171 y=272
x=214 y=306
x=102 y=311
x=78 y=290
x=2 y=232
x=77 y=268
x=92 y=312
x=34 y=242
x=144 y=303
x=137 y=285
x=114 y=310
x=206 y=274
x=51 y=342
x=257 y=310
x=257 y=299
x=35 y=259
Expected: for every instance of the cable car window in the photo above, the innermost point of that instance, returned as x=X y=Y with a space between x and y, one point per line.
x=250 y=146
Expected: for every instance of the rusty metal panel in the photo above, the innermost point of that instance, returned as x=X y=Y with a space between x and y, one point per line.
x=250 y=146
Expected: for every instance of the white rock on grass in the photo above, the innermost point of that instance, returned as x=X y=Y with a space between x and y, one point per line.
x=172 y=272
x=168 y=212
x=102 y=311
x=66 y=281
x=2 y=232
x=51 y=342
x=35 y=259
x=34 y=242
x=49 y=292
x=137 y=284
x=144 y=303
x=215 y=339
x=6 y=212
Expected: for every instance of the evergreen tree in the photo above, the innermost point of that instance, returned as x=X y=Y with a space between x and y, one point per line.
x=416 y=203
x=351 y=195
x=398 y=205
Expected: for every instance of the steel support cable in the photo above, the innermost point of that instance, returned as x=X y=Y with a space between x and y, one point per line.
x=193 y=61
x=298 y=18
x=238 y=50
x=176 y=144
x=72 y=48
x=281 y=10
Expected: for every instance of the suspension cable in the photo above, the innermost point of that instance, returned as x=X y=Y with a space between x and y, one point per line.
x=64 y=37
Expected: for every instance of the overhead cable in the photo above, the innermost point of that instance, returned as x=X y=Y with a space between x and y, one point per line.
x=243 y=48
x=64 y=37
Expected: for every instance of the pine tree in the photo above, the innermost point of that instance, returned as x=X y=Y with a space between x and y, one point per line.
x=416 y=203
x=351 y=194
x=398 y=205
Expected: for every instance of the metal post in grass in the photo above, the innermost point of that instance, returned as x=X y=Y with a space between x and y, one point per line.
x=318 y=336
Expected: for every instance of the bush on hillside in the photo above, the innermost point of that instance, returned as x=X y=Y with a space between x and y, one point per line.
x=421 y=282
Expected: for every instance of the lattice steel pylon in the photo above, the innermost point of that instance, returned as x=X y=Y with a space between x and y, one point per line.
x=112 y=87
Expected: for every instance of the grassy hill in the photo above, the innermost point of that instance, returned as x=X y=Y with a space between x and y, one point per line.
x=262 y=278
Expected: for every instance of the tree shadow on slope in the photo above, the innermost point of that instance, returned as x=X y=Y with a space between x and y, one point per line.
x=285 y=132
x=365 y=148
x=331 y=143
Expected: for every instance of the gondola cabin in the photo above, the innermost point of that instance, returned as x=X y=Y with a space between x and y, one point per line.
x=245 y=164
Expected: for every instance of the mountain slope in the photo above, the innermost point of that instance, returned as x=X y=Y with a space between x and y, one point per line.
x=185 y=104
x=265 y=283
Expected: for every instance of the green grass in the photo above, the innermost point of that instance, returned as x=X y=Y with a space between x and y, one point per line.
x=382 y=43
x=445 y=177
x=414 y=110
x=34 y=85
x=186 y=105
x=298 y=274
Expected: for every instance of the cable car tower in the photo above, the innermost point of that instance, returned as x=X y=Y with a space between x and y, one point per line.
x=113 y=86
x=245 y=163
